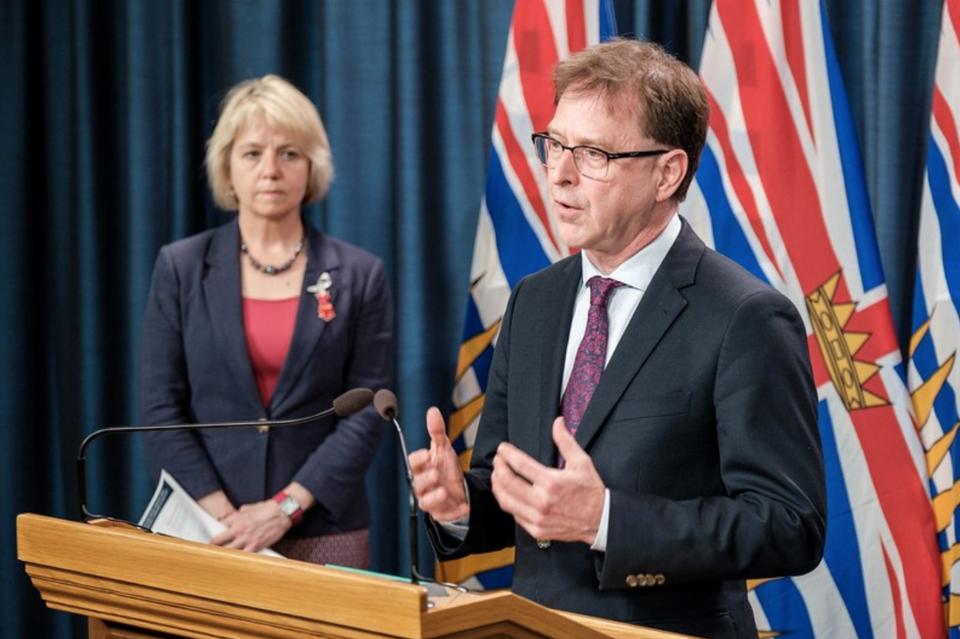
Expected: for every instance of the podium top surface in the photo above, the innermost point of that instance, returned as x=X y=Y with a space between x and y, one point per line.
x=182 y=588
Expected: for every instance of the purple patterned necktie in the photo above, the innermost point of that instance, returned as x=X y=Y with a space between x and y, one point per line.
x=591 y=355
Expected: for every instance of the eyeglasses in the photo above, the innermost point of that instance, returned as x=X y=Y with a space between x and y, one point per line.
x=590 y=161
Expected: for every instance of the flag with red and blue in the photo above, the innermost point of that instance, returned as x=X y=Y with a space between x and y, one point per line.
x=933 y=375
x=781 y=190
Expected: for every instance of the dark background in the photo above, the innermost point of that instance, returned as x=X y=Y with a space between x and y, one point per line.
x=105 y=109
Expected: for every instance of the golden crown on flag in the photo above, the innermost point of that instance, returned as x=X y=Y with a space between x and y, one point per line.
x=838 y=346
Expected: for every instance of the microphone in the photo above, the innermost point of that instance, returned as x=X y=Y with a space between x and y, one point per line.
x=348 y=403
x=386 y=404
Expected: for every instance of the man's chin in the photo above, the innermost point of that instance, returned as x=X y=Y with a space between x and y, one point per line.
x=572 y=243
x=568 y=234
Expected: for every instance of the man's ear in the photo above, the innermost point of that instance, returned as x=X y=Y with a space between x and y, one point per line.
x=673 y=168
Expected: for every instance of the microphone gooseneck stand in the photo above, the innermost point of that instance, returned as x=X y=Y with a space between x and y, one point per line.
x=348 y=403
x=386 y=404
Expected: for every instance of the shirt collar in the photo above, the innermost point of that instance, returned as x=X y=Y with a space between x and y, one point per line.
x=637 y=271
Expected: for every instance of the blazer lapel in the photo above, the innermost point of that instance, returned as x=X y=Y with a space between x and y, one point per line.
x=321 y=258
x=222 y=290
x=556 y=333
x=662 y=303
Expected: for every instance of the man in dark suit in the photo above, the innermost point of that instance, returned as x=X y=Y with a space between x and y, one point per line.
x=694 y=462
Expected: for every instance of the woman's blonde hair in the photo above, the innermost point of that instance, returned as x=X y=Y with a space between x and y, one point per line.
x=279 y=105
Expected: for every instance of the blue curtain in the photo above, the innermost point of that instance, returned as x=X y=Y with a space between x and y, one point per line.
x=107 y=104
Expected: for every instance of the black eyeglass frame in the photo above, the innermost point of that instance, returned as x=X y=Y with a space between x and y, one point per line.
x=543 y=135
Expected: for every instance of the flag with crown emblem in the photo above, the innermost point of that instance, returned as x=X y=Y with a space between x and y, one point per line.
x=515 y=234
x=780 y=189
x=934 y=377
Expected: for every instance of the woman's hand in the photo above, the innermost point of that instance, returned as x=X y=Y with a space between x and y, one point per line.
x=253 y=527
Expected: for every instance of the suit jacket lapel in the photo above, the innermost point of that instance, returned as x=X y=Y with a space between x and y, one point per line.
x=222 y=290
x=321 y=257
x=556 y=333
x=661 y=304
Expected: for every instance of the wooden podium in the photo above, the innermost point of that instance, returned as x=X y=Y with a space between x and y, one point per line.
x=135 y=585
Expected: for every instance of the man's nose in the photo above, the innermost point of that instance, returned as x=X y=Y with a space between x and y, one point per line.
x=564 y=168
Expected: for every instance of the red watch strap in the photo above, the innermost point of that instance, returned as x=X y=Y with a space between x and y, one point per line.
x=297 y=515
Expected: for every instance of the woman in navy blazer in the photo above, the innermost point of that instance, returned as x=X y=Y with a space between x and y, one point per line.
x=268 y=318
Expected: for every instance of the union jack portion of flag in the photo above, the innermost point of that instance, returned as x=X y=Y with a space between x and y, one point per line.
x=934 y=378
x=515 y=235
x=780 y=189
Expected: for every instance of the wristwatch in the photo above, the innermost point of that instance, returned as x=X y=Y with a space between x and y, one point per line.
x=289 y=507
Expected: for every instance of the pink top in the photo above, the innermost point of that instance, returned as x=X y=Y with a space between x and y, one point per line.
x=268 y=325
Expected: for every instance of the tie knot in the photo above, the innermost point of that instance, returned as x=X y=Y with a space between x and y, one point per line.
x=600 y=289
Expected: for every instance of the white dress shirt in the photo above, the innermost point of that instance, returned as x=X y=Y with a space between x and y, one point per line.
x=635 y=273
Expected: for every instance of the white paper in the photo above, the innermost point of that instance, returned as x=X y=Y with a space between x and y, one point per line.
x=172 y=511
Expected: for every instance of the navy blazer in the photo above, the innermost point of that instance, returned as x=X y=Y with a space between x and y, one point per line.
x=703 y=427
x=195 y=368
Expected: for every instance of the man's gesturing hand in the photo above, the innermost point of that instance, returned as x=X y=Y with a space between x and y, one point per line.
x=550 y=503
x=437 y=477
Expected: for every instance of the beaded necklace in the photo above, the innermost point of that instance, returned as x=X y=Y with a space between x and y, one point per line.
x=269 y=269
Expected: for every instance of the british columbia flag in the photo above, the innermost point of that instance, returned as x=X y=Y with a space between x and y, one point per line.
x=781 y=190
x=515 y=235
x=934 y=377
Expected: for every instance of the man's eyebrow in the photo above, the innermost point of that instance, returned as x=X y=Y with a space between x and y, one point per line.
x=582 y=142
